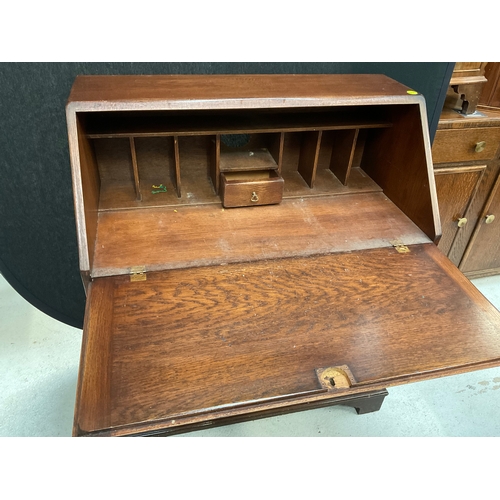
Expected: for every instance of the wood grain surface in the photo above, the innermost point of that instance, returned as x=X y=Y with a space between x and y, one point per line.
x=459 y=145
x=254 y=188
x=187 y=236
x=462 y=131
x=483 y=251
x=491 y=91
x=343 y=149
x=115 y=92
x=86 y=188
x=309 y=154
x=258 y=159
x=456 y=188
x=399 y=161
x=486 y=117
x=230 y=338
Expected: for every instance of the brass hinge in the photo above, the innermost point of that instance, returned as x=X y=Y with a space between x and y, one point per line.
x=399 y=246
x=138 y=273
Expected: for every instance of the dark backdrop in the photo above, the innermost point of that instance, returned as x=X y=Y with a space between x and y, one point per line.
x=38 y=249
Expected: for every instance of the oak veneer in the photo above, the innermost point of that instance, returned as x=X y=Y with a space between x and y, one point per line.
x=483 y=251
x=456 y=186
x=257 y=331
x=173 y=237
x=252 y=188
x=459 y=145
x=465 y=180
x=491 y=91
x=146 y=92
x=343 y=151
x=199 y=315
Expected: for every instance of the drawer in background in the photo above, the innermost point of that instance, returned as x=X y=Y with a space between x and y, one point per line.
x=245 y=189
x=458 y=145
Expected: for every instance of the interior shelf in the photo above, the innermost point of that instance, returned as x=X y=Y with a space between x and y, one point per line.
x=157 y=124
x=175 y=171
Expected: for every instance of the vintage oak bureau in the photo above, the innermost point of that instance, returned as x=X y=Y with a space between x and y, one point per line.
x=253 y=245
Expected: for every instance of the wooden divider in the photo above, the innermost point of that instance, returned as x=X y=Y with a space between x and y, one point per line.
x=309 y=152
x=136 y=170
x=343 y=147
x=276 y=148
x=177 y=167
x=215 y=163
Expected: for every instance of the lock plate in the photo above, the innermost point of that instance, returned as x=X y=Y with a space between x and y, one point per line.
x=335 y=377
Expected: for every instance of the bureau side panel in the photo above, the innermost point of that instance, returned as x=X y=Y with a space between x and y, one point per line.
x=86 y=189
x=398 y=159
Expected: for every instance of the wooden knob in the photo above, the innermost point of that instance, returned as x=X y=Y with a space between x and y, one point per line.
x=489 y=219
x=254 y=197
x=480 y=146
x=462 y=221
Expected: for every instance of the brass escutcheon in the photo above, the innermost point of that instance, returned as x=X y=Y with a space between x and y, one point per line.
x=335 y=377
x=254 y=197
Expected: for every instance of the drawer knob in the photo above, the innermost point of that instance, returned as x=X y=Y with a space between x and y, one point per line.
x=489 y=219
x=462 y=221
x=480 y=146
x=254 y=197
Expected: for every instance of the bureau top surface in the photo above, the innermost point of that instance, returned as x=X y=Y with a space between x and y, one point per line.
x=121 y=92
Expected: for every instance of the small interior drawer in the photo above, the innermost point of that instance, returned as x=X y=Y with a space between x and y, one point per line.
x=245 y=189
x=237 y=161
x=459 y=145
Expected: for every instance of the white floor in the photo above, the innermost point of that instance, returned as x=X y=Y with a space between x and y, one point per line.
x=39 y=360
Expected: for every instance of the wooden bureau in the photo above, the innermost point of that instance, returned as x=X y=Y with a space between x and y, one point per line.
x=259 y=244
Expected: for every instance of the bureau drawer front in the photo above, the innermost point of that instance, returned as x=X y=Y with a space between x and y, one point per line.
x=459 y=145
x=241 y=190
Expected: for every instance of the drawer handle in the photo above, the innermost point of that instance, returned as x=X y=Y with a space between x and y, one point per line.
x=254 y=197
x=489 y=219
x=462 y=221
x=480 y=146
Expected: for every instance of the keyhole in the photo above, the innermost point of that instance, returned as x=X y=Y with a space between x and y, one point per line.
x=332 y=382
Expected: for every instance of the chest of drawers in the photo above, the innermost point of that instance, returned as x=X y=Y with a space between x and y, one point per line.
x=466 y=153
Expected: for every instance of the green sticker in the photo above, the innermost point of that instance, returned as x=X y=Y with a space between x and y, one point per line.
x=412 y=92
x=159 y=189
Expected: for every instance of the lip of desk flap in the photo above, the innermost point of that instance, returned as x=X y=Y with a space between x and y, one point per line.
x=187 y=341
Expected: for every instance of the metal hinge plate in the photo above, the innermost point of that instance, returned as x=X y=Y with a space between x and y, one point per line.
x=138 y=273
x=399 y=246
